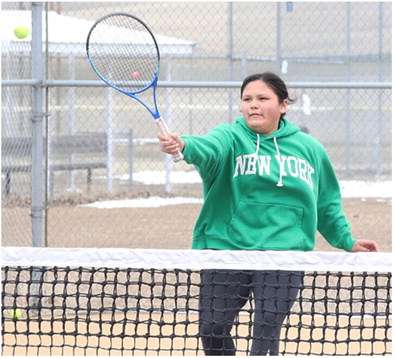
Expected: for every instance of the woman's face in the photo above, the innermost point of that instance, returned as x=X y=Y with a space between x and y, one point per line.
x=261 y=108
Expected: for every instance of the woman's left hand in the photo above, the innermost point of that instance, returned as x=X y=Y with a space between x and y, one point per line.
x=365 y=246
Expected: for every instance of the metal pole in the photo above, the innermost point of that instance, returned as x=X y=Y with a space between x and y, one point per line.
x=278 y=36
x=379 y=140
x=110 y=140
x=348 y=93
x=71 y=120
x=46 y=147
x=37 y=206
x=168 y=160
x=204 y=84
x=230 y=56
x=130 y=155
x=38 y=158
x=230 y=39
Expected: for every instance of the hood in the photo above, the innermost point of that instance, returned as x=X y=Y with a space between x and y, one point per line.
x=286 y=129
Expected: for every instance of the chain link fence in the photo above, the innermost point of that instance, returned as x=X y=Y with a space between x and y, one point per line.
x=105 y=182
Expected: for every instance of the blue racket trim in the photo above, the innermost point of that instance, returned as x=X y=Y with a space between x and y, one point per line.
x=153 y=84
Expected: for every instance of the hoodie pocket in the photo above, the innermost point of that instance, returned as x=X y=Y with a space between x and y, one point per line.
x=267 y=227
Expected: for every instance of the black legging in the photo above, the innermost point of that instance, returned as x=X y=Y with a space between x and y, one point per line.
x=223 y=294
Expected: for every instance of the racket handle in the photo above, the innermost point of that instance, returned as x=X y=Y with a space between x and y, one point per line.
x=165 y=131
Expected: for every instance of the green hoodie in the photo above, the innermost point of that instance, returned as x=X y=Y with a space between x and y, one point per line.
x=265 y=193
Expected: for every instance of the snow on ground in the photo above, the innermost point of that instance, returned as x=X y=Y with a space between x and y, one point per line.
x=363 y=189
x=151 y=202
x=349 y=189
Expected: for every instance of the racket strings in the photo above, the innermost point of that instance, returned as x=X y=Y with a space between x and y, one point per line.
x=124 y=52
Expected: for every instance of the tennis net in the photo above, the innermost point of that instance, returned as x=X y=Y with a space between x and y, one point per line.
x=182 y=302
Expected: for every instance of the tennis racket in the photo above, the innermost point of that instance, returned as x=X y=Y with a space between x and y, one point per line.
x=130 y=62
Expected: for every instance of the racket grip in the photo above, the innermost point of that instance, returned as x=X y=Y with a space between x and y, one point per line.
x=165 y=131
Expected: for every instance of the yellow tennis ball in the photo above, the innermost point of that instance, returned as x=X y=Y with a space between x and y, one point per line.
x=16 y=313
x=21 y=32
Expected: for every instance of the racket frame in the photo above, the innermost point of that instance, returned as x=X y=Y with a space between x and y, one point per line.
x=162 y=125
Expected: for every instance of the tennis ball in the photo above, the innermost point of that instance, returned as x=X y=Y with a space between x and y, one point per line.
x=16 y=313
x=21 y=32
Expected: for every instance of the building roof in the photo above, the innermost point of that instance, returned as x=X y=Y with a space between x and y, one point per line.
x=68 y=34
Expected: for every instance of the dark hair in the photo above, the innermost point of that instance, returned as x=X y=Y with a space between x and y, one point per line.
x=273 y=81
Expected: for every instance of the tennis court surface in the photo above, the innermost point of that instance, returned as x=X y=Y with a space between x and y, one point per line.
x=146 y=302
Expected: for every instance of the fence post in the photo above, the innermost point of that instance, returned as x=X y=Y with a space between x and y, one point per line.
x=37 y=205
x=168 y=159
x=379 y=135
x=130 y=155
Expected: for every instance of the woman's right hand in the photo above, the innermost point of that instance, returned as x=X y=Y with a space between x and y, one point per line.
x=171 y=144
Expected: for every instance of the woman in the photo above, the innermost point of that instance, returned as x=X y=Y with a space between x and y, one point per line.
x=266 y=186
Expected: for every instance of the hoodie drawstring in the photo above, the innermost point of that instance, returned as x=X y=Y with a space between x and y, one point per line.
x=278 y=156
x=258 y=144
x=280 y=180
